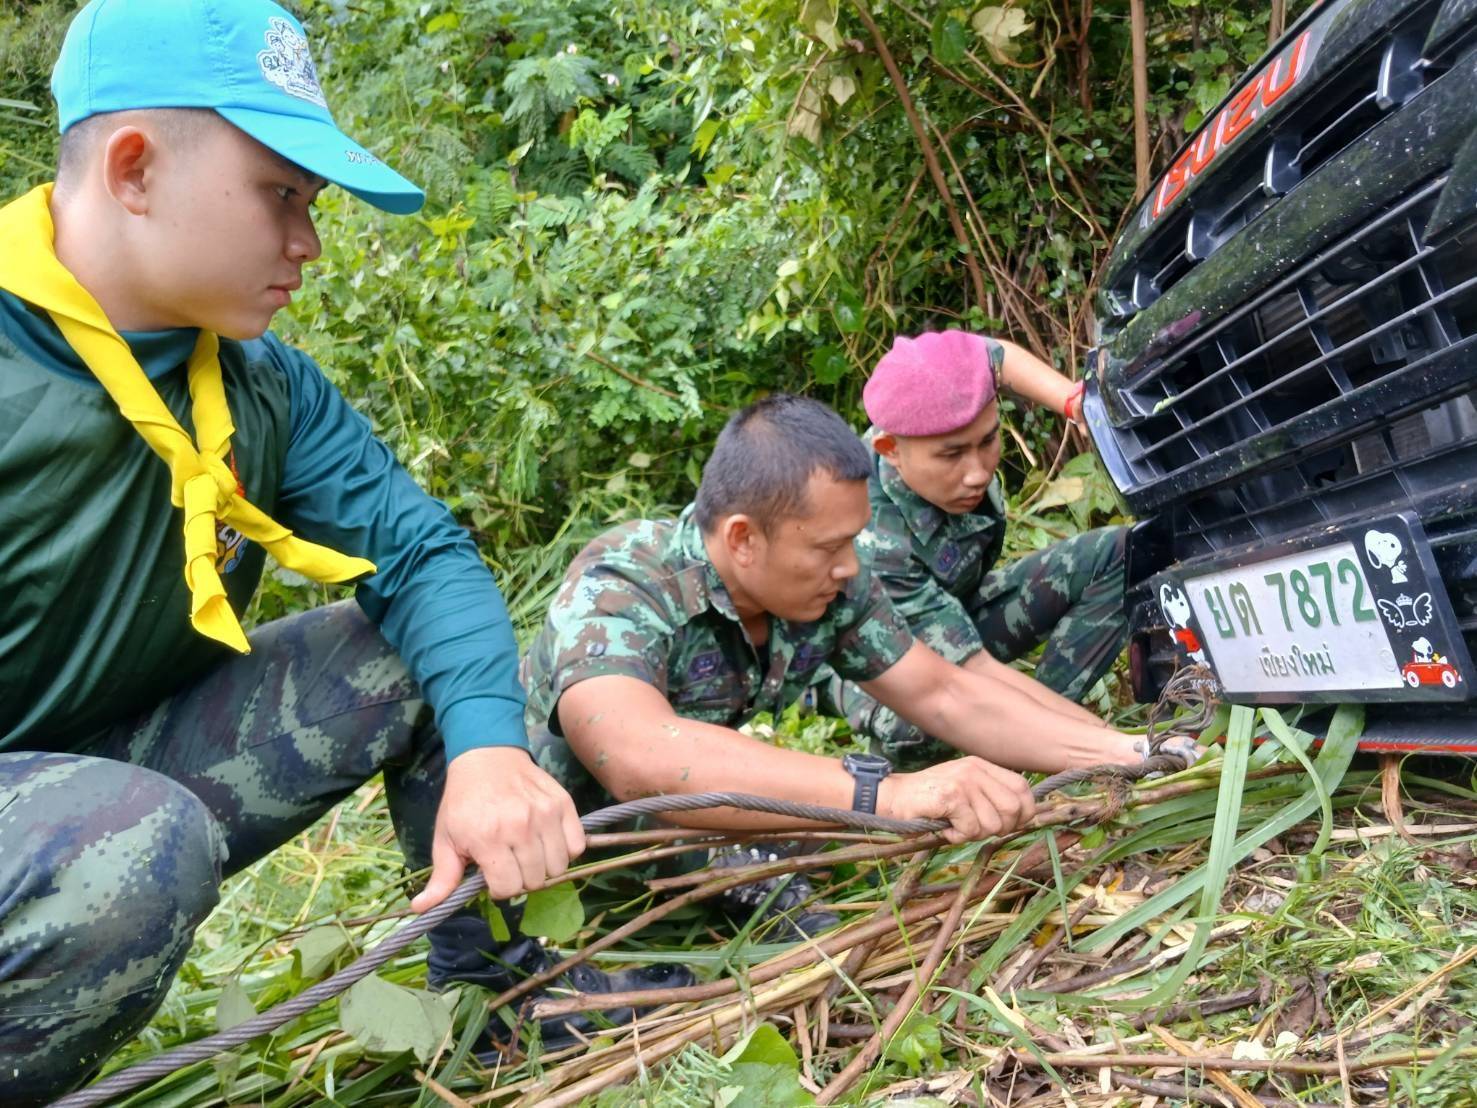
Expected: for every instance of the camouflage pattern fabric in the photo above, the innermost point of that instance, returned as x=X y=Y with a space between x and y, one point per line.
x=110 y=857
x=643 y=600
x=939 y=571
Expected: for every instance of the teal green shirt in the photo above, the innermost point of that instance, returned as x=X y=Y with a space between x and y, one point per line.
x=94 y=624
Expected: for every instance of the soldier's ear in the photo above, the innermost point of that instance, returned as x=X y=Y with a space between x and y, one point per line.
x=738 y=533
x=886 y=446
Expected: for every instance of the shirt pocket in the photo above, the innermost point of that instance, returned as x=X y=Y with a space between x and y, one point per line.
x=719 y=695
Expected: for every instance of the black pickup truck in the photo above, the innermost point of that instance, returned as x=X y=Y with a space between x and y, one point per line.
x=1283 y=388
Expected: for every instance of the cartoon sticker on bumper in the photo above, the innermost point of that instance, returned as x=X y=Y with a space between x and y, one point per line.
x=1176 y=607
x=1427 y=666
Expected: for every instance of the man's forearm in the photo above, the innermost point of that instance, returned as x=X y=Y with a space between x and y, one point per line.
x=1026 y=375
x=634 y=757
x=1001 y=724
x=987 y=666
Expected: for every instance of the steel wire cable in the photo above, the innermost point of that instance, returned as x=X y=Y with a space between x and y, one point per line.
x=162 y=1065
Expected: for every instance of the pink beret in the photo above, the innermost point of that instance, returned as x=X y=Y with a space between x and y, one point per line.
x=931 y=385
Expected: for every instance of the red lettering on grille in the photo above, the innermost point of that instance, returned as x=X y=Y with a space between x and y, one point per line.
x=1244 y=109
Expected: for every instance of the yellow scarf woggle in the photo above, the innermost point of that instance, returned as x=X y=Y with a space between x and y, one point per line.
x=202 y=483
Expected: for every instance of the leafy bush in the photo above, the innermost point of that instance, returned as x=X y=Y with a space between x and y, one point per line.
x=645 y=213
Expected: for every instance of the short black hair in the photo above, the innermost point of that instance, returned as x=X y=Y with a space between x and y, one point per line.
x=766 y=454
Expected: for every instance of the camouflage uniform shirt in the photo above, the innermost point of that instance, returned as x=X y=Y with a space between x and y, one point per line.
x=644 y=600
x=932 y=562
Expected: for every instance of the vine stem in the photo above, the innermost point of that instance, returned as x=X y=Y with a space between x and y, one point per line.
x=930 y=156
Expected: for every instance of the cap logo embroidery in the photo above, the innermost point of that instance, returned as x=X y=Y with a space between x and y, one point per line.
x=286 y=63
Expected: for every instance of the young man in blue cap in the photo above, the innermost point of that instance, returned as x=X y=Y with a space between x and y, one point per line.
x=155 y=445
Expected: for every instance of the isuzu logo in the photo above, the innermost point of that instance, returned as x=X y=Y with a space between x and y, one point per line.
x=1249 y=104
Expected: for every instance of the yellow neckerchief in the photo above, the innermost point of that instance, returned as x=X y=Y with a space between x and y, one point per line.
x=201 y=482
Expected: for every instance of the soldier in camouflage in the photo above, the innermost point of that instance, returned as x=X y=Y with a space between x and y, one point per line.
x=667 y=635
x=938 y=529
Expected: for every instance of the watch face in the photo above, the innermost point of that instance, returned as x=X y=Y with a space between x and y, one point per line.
x=873 y=763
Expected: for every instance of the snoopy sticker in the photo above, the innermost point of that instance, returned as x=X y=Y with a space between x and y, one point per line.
x=1427 y=666
x=1176 y=606
x=1425 y=651
x=1385 y=552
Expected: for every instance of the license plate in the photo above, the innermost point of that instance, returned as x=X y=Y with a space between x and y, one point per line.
x=1357 y=614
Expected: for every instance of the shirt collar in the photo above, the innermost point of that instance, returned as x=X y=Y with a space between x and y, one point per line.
x=711 y=592
x=158 y=352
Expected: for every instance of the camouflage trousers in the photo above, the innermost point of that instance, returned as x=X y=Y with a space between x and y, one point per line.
x=111 y=855
x=1068 y=597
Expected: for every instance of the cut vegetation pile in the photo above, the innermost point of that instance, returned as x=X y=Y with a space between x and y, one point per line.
x=1264 y=928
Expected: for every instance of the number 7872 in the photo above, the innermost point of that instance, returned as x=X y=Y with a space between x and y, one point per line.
x=1305 y=595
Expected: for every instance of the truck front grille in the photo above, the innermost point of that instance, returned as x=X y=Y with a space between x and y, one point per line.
x=1327 y=117
x=1314 y=368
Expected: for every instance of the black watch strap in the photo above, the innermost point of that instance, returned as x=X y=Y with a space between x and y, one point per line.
x=864 y=794
x=867 y=772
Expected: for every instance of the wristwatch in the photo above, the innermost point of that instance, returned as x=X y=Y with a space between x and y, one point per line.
x=867 y=770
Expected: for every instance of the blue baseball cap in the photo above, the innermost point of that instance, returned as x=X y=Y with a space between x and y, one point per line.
x=246 y=59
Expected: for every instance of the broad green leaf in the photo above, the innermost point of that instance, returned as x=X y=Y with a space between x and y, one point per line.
x=841 y=88
x=703 y=137
x=553 y=913
x=819 y=18
x=850 y=312
x=998 y=26
x=315 y=953
x=762 y=1086
x=388 y=1019
x=720 y=175
x=234 y=1007
x=764 y=1045
x=764 y=1068
x=829 y=364
x=949 y=39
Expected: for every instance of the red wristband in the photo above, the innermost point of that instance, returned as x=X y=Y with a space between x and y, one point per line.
x=1075 y=396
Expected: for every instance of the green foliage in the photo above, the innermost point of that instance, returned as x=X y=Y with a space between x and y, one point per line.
x=385 y=1018
x=758 y=1071
x=553 y=913
x=318 y=950
x=234 y=1007
x=917 y=1044
x=645 y=213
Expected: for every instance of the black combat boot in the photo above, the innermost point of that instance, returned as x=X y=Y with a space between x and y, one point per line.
x=463 y=950
x=792 y=921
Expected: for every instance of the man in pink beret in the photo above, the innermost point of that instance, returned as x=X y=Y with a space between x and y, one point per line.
x=938 y=529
